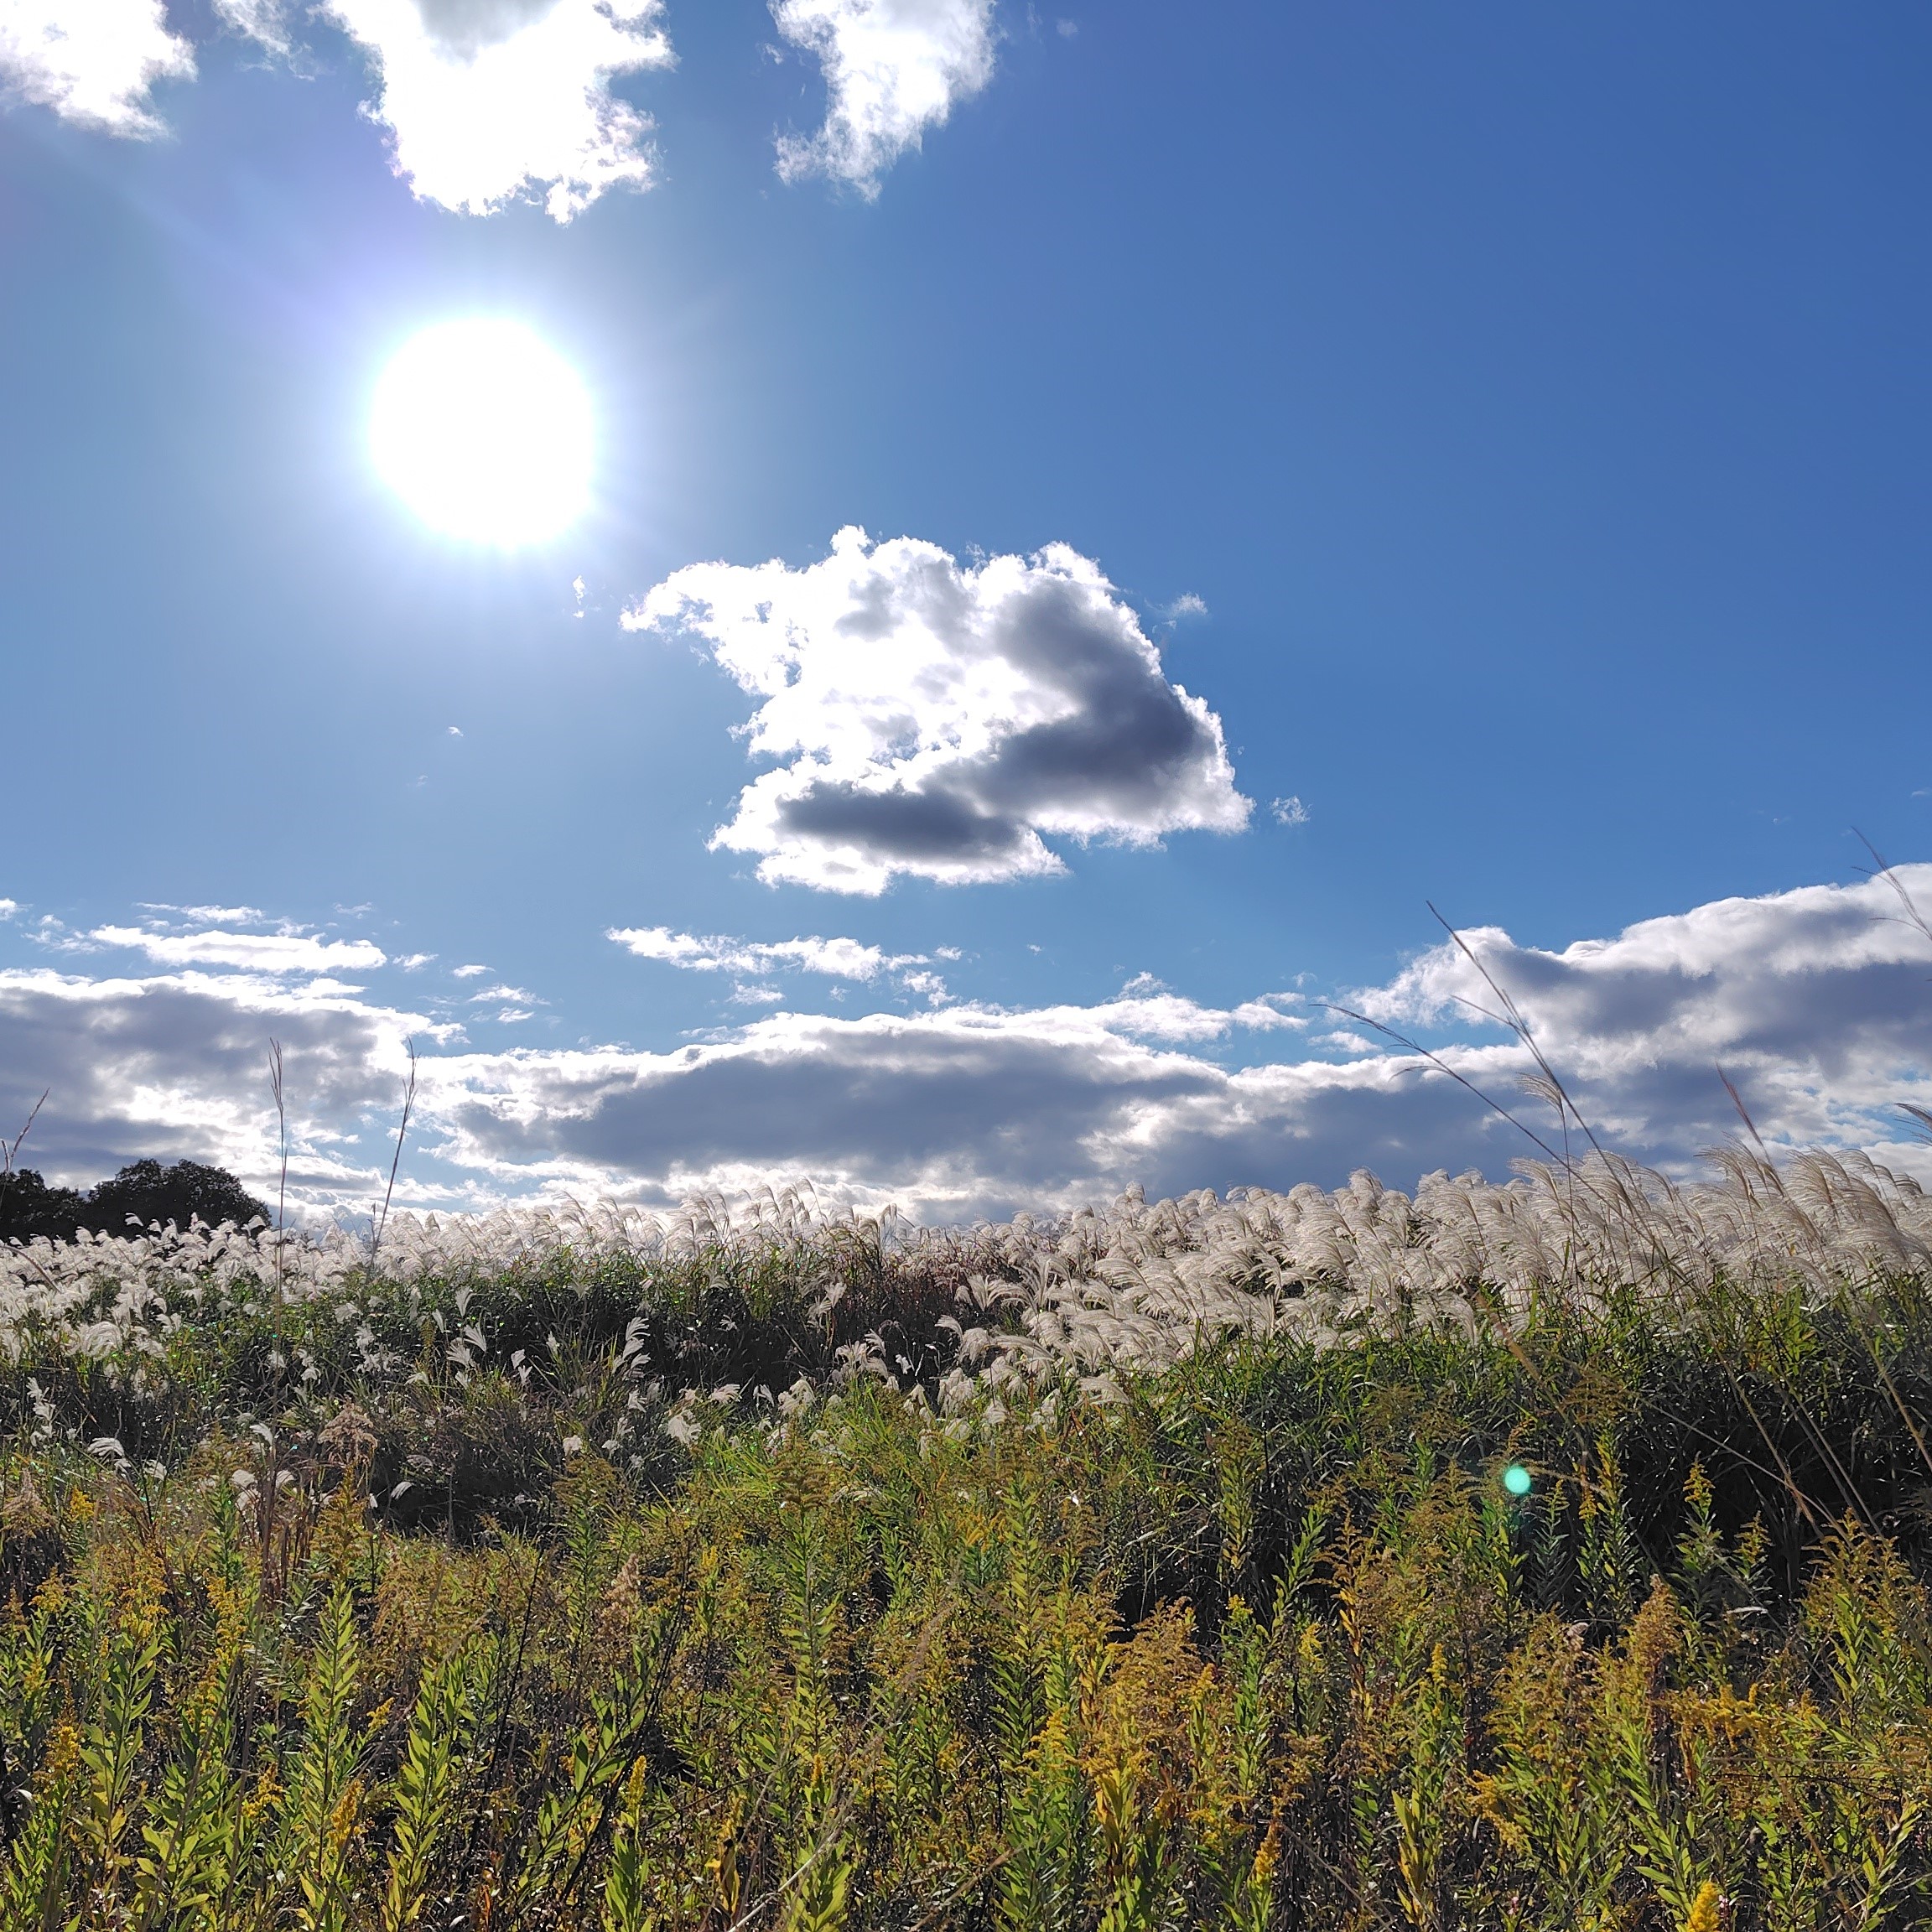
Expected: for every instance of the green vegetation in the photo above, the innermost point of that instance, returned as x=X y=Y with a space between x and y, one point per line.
x=143 y=1191
x=1144 y=1570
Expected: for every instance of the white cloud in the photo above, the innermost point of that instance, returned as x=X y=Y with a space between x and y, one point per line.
x=220 y=914
x=54 y=936
x=1814 y=1002
x=938 y=719
x=253 y=952
x=487 y=99
x=216 y=915
x=94 y=62
x=175 y=1066
x=8 y=908
x=470 y=972
x=510 y=993
x=1289 y=811
x=892 y=68
x=837 y=958
x=263 y=21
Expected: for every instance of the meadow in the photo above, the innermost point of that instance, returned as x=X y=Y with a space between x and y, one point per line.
x=1544 y=1555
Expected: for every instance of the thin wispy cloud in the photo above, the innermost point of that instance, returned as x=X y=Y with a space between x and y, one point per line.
x=892 y=69
x=837 y=958
x=53 y=935
x=96 y=63
x=515 y=994
x=488 y=101
x=265 y=21
x=936 y=718
x=276 y=953
x=210 y=915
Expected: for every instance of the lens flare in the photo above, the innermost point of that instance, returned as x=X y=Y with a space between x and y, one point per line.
x=1517 y=1480
x=484 y=430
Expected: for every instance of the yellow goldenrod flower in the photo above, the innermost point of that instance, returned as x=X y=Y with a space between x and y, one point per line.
x=1703 y=1916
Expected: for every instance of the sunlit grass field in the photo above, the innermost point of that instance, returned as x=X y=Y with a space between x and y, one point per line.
x=1549 y=1556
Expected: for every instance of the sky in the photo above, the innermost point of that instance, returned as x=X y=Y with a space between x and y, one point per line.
x=1100 y=536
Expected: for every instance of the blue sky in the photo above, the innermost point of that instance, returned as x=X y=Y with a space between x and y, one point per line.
x=1506 y=423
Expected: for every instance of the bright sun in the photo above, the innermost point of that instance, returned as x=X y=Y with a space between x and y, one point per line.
x=484 y=430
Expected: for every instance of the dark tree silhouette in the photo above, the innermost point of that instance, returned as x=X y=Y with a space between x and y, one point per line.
x=29 y=1207
x=145 y=1190
x=152 y=1192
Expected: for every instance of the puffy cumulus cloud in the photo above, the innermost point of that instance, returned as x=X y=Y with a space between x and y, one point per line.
x=892 y=68
x=487 y=99
x=1814 y=1001
x=96 y=62
x=938 y=719
x=253 y=952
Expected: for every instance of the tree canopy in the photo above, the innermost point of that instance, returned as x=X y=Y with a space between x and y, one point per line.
x=144 y=1190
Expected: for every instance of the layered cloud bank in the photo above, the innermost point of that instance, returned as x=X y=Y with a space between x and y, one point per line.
x=936 y=720
x=1817 y=1003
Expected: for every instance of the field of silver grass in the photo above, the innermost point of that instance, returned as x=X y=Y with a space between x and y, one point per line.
x=1084 y=1297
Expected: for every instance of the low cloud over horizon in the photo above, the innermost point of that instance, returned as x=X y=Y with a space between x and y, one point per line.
x=1814 y=1002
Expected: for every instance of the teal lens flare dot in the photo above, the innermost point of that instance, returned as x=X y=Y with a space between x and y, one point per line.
x=1516 y=1479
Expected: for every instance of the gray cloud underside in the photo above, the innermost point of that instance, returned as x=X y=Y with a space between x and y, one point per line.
x=937 y=719
x=1818 y=1008
x=175 y=1066
x=1131 y=744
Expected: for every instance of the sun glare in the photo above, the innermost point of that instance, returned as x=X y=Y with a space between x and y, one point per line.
x=484 y=430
